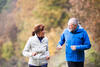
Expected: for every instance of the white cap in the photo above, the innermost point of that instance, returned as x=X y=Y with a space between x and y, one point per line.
x=73 y=21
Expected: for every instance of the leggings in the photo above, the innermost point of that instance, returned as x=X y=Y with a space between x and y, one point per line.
x=45 y=65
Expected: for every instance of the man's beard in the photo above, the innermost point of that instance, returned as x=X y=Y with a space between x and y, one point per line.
x=71 y=30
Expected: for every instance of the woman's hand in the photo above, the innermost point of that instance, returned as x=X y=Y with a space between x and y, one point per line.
x=47 y=57
x=34 y=53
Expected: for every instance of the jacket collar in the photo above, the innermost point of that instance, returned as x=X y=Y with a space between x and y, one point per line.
x=38 y=38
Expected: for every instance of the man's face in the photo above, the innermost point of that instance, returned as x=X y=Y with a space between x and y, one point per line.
x=72 y=27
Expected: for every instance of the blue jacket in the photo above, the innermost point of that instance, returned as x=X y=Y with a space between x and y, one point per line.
x=80 y=39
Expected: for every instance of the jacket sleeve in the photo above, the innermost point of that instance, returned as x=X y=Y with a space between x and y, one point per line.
x=62 y=40
x=26 y=51
x=86 y=43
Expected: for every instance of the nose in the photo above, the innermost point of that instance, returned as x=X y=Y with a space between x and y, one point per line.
x=43 y=32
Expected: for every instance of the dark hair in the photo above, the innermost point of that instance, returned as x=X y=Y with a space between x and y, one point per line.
x=38 y=28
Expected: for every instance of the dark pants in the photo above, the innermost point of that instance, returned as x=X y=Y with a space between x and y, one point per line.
x=75 y=64
x=45 y=65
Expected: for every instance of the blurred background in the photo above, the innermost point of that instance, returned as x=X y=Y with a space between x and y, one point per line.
x=18 y=18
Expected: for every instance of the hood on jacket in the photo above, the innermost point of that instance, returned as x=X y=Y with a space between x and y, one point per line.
x=78 y=29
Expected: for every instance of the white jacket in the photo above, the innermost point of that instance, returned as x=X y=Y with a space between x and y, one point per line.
x=34 y=45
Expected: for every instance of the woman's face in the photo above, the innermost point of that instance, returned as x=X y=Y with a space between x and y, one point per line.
x=41 y=33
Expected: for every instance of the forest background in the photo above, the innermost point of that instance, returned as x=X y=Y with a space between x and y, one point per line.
x=18 y=18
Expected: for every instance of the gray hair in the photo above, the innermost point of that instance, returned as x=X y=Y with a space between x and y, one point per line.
x=73 y=21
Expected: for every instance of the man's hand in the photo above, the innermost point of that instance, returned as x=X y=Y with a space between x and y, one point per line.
x=73 y=47
x=59 y=47
x=47 y=57
x=34 y=53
